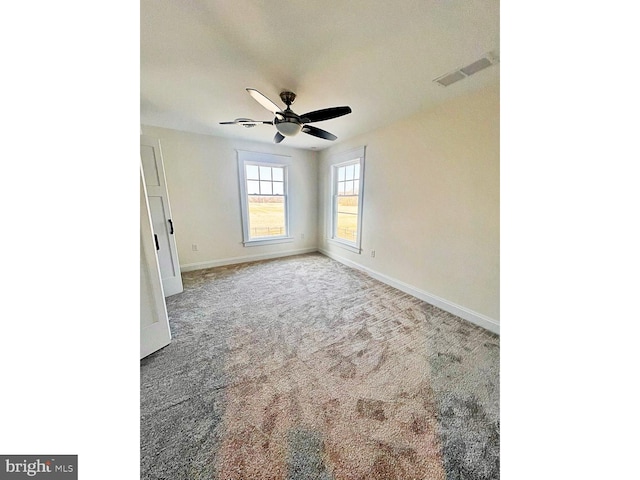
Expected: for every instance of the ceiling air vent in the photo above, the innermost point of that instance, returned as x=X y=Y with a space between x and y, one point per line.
x=452 y=77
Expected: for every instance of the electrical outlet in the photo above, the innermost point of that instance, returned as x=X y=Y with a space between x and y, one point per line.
x=373 y=254
x=194 y=247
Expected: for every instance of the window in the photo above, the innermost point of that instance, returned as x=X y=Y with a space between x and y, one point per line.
x=264 y=198
x=347 y=180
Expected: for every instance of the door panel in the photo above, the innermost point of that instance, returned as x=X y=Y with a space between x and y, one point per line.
x=163 y=227
x=168 y=269
x=150 y=166
x=154 y=322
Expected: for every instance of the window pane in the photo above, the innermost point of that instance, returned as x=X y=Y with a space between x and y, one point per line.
x=340 y=174
x=252 y=172
x=340 y=188
x=347 y=226
x=253 y=187
x=348 y=187
x=265 y=187
x=265 y=173
x=347 y=218
x=266 y=217
x=278 y=174
x=278 y=188
x=356 y=171
x=356 y=187
x=349 y=172
x=348 y=205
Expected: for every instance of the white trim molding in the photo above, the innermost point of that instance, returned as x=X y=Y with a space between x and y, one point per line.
x=190 y=267
x=462 y=312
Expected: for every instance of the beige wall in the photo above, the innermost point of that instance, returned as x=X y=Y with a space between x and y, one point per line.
x=431 y=202
x=202 y=180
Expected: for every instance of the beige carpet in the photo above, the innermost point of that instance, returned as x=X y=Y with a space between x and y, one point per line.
x=302 y=368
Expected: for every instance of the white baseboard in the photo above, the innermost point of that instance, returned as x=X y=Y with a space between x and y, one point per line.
x=462 y=312
x=189 y=267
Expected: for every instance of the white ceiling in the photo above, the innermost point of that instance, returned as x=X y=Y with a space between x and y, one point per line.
x=377 y=56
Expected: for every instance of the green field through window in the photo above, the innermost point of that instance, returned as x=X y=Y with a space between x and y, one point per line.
x=266 y=216
x=347 y=218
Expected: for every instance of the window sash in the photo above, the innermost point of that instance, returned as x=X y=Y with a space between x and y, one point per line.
x=264 y=180
x=347 y=179
x=259 y=227
x=267 y=218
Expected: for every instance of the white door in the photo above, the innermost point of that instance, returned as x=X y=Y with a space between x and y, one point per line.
x=163 y=228
x=154 y=322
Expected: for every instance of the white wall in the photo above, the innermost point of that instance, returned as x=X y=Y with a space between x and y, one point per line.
x=431 y=203
x=202 y=180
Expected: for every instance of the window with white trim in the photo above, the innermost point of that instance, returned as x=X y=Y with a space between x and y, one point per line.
x=264 y=197
x=347 y=182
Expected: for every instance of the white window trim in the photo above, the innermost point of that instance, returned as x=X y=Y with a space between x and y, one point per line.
x=337 y=161
x=265 y=159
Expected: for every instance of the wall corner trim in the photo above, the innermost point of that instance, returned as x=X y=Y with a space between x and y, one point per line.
x=462 y=312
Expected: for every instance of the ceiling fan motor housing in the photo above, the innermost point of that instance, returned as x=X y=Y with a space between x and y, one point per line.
x=287 y=97
x=290 y=124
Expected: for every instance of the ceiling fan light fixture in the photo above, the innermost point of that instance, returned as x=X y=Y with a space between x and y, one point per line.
x=288 y=129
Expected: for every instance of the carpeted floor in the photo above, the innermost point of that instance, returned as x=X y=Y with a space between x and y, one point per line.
x=302 y=368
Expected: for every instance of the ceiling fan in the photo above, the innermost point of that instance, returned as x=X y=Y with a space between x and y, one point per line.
x=287 y=122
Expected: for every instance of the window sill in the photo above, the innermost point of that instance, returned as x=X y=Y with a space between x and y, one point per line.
x=347 y=246
x=267 y=241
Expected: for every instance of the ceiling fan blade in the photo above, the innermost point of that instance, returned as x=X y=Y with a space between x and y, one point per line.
x=264 y=101
x=247 y=122
x=318 y=132
x=278 y=138
x=324 y=114
x=255 y=122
